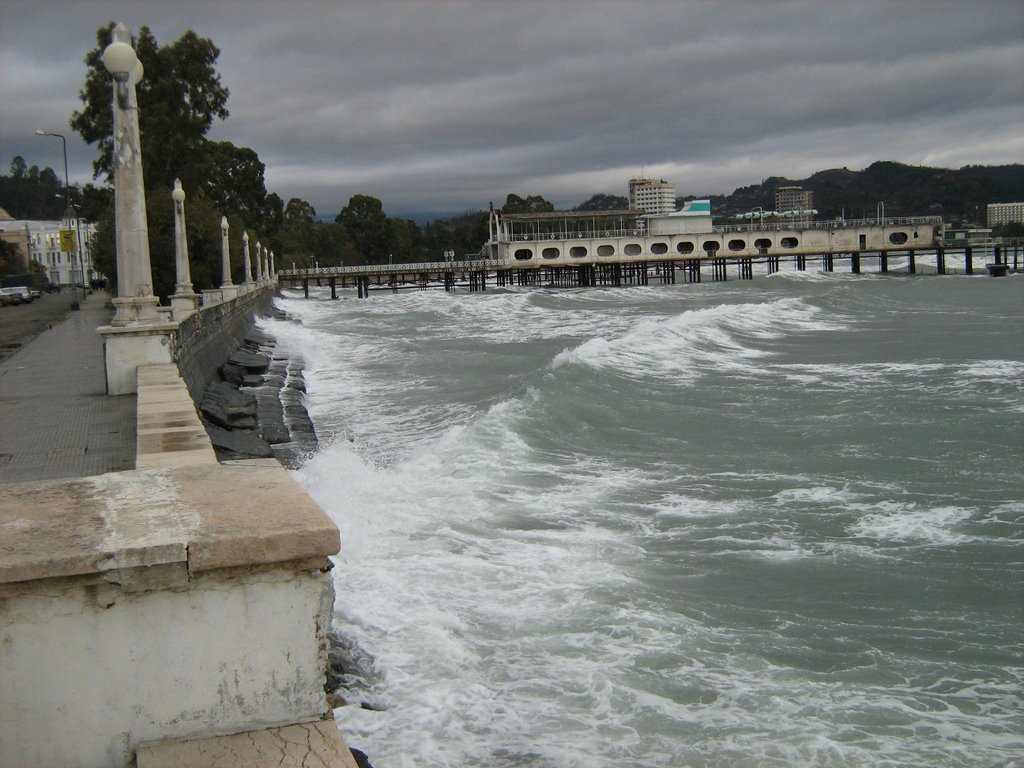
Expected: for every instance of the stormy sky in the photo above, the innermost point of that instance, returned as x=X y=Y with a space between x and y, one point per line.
x=445 y=105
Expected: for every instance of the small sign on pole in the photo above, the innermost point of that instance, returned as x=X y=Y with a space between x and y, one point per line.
x=68 y=241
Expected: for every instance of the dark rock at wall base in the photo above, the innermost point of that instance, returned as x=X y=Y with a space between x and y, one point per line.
x=238 y=444
x=225 y=406
x=254 y=408
x=242 y=364
x=270 y=416
x=360 y=757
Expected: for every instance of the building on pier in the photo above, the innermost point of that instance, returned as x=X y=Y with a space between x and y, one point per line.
x=564 y=238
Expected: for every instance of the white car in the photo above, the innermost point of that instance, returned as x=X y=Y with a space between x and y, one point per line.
x=11 y=296
x=23 y=290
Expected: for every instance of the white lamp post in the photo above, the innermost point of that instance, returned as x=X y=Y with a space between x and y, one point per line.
x=247 y=264
x=184 y=300
x=135 y=303
x=137 y=334
x=228 y=289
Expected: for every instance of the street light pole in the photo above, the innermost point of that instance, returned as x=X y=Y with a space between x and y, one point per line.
x=67 y=212
x=135 y=305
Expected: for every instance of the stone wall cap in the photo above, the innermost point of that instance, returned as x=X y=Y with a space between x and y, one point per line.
x=205 y=516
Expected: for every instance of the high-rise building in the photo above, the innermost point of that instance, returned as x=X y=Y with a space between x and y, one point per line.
x=793 y=199
x=1005 y=213
x=652 y=195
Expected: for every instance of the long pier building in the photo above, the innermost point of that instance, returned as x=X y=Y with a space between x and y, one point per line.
x=635 y=247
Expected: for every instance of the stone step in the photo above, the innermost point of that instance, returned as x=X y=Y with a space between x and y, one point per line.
x=305 y=745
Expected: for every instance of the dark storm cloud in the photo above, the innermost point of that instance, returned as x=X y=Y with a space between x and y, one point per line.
x=446 y=105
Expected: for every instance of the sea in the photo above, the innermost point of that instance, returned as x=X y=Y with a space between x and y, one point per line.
x=770 y=522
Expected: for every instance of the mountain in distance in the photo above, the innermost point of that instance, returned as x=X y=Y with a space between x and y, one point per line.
x=959 y=196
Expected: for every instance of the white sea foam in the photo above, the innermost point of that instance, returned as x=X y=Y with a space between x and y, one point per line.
x=534 y=593
x=684 y=347
x=893 y=522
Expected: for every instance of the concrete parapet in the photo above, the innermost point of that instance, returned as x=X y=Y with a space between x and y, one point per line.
x=163 y=603
x=127 y=347
x=169 y=431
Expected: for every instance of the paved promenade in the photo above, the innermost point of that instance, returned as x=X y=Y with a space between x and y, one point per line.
x=56 y=419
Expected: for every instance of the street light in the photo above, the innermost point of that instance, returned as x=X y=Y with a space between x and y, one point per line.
x=135 y=305
x=78 y=221
x=121 y=61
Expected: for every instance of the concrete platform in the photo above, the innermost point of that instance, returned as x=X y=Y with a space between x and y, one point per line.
x=310 y=745
x=169 y=431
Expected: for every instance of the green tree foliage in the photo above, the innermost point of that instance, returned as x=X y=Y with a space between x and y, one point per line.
x=30 y=193
x=234 y=181
x=10 y=257
x=367 y=228
x=179 y=98
x=603 y=202
x=530 y=204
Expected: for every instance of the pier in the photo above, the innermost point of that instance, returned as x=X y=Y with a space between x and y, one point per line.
x=576 y=249
x=477 y=275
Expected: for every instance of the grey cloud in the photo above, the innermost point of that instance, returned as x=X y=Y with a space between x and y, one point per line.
x=447 y=104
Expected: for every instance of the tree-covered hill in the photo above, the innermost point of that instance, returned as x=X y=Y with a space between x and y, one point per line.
x=958 y=196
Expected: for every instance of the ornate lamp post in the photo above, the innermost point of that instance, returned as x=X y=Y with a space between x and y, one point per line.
x=137 y=334
x=228 y=289
x=184 y=300
x=248 y=266
x=135 y=303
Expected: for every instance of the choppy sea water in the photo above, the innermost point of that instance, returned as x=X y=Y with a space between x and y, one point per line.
x=775 y=522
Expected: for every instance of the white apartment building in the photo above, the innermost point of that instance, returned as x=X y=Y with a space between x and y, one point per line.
x=1005 y=213
x=652 y=195
x=43 y=241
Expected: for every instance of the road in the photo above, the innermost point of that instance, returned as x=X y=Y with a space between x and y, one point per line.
x=20 y=323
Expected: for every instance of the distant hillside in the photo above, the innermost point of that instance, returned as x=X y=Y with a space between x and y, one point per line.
x=907 y=190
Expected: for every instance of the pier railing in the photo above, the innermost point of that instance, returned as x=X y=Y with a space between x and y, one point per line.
x=403 y=268
x=568 y=230
x=783 y=226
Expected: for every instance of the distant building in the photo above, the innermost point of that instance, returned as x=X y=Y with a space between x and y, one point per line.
x=796 y=203
x=652 y=195
x=1005 y=213
x=793 y=199
x=39 y=241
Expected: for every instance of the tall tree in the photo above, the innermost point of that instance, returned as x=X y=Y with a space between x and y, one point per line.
x=30 y=193
x=179 y=97
x=234 y=181
x=531 y=204
x=367 y=227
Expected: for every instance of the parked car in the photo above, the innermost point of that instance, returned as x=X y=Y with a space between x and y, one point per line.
x=26 y=293
x=11 y=296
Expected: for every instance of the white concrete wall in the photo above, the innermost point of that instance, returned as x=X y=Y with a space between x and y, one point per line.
x=87 y=673
x=808 y=242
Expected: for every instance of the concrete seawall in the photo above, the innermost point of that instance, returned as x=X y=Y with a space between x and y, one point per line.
x=175 y=613
x=206 y=339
